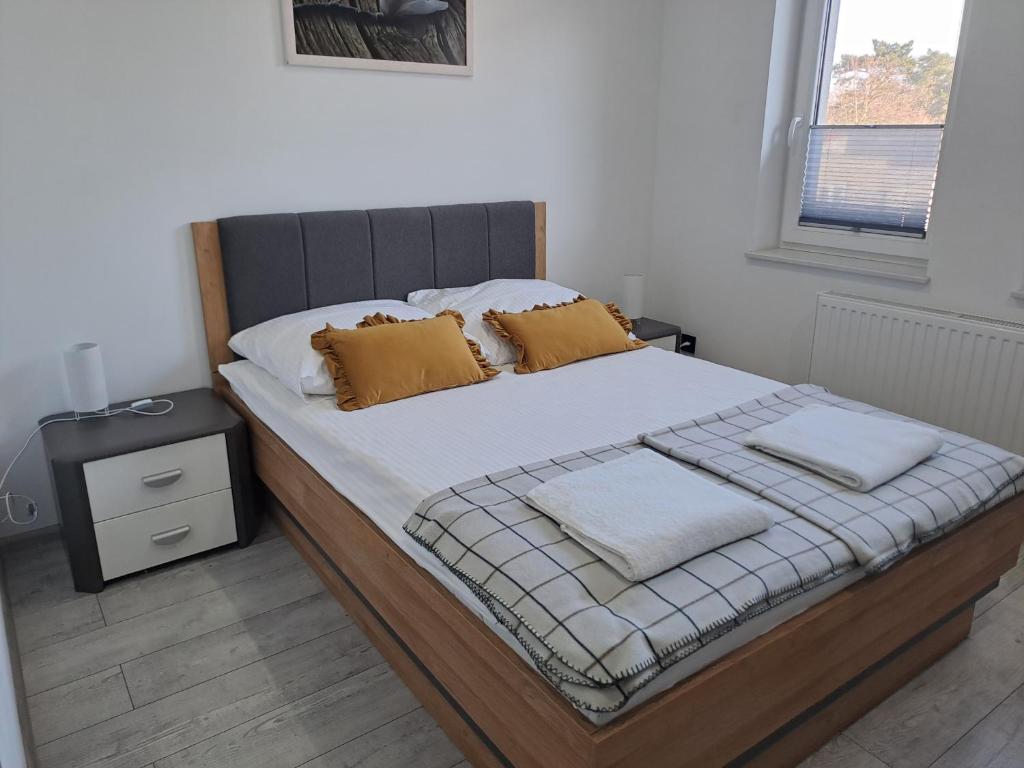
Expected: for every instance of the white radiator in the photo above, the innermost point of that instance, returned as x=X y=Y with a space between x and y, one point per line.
x=962 y=372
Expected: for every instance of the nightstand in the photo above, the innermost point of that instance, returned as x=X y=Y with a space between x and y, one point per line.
x=137 y=491
x=664 y=335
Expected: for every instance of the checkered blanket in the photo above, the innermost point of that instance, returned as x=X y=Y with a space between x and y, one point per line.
x=597 y=637
x=963 y=478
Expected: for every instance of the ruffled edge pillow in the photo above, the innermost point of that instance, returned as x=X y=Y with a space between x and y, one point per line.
x=348 y=399
x=493 y=318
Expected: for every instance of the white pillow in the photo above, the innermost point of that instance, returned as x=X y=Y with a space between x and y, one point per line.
x=502 y=295
x=281 y=346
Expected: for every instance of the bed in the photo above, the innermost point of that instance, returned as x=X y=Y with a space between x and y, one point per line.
x=768 y=693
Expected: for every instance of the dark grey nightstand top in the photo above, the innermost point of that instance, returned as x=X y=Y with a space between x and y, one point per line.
x=645 y=329
x=197 y=413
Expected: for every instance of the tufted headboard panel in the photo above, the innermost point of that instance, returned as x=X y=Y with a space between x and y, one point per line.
x=277 y=264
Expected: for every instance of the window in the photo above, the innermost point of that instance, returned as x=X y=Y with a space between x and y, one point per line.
x=873 y=90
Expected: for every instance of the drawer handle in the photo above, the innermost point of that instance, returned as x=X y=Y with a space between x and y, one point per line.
x=163 y=478
x=172 y=536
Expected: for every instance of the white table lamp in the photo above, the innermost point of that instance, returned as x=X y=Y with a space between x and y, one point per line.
x=632 y=296
x=87 y=384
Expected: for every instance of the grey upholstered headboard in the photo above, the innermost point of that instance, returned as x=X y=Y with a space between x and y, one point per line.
x=277 y=264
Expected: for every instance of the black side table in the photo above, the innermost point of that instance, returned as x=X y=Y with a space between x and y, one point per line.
x=137 y=491
x=665 y=335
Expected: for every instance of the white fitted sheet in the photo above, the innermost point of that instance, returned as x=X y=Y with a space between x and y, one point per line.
x=388 y=458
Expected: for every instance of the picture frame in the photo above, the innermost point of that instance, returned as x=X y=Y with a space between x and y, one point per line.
x=416 y=36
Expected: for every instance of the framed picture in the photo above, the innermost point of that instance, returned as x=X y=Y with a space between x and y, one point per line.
x=428 y=36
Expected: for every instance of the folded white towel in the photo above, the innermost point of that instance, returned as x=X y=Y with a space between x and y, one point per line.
x=643 y=514
x=857 y=450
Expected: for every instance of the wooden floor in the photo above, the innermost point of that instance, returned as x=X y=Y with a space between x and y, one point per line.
x=239 y=658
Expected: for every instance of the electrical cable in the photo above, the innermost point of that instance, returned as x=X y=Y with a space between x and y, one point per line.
x=31 y=505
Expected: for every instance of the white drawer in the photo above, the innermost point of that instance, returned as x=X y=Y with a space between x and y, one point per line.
x=126 y=544
x=665 y=342
x=134 y=481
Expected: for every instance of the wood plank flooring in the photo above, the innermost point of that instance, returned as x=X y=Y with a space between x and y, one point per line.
x=239 y=658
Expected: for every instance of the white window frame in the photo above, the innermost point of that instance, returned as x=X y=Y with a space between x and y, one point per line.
x=895 y=256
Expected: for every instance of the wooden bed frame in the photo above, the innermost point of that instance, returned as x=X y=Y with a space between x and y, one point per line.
x=771 y=702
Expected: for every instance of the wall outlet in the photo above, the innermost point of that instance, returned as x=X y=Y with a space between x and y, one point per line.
x=688 y=346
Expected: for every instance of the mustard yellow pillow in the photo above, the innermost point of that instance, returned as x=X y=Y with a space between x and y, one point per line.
x=384 y=359
x=548 y=337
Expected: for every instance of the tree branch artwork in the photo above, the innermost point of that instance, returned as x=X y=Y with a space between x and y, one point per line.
x=396 y=8
x=435 y=33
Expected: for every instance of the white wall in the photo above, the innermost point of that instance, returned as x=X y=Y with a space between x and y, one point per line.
x=759 y=316
x=122 y=121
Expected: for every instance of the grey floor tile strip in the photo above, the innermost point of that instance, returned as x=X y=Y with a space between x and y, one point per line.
x=185 y=664
x=167 y=726
x=38 y=629
x=78 y=705
x=296 y=732
x=842 y=752
x=412 y=739
x=998 y=740
x=115 y=644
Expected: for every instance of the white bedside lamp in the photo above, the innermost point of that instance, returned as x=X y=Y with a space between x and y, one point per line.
x=87 y=384
x=632 y=296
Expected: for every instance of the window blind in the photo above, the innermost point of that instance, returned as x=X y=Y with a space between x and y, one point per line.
x=871 y=178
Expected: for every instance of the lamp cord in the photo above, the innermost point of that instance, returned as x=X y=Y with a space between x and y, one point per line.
x=31 y=505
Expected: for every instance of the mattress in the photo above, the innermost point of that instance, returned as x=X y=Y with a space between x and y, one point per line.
x=388 y=458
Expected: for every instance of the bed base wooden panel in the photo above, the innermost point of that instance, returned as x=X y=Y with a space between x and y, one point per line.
x=769 y=703
x=819 y=671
